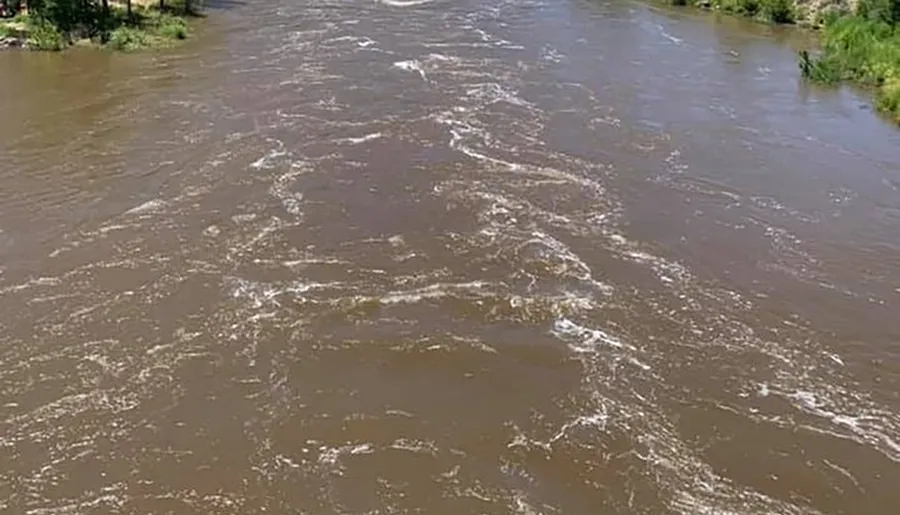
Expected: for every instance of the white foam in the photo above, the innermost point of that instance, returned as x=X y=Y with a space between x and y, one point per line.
x=574 y=265
x=492 y=92
x=597 y=420
x=416 y=446
x=584 y=339
x=404 y=3
x=151 y=206
x=522 y=506
x=551 y=54
x=497 y=41
x=412 y=66
x=442 y=57
x=292 y=201
x=669 y=272
x=866 y=425
x=267 y=160
x=360 y=139
x=332 y=455
x=668 y=36
x=433 y=291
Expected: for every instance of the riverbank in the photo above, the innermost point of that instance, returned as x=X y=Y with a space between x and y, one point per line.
x=860 y=40
x=862 y=49
x=129 y=25
x=809 y=13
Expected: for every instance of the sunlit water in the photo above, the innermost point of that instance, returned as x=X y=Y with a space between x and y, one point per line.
x=540 y=256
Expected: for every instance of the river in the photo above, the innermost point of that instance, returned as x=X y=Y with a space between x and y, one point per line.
x=532 y=256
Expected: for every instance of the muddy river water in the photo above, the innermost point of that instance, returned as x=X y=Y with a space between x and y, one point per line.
x=447 y=257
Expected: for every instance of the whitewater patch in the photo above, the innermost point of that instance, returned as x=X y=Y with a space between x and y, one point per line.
x=412 y=66
x=268 y=160
x=404 y=3
x=361 y=139
x=151 y=206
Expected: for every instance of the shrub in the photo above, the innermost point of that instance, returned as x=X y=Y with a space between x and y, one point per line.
x=888 y=98
x=778 y=11
x=128 y=39
x=819 y=70
x=887 y=11
x=42 y=35
x=747 y=7
x=171 y=27
x=863 y=50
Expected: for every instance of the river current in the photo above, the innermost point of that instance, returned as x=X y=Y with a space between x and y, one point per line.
x=365 y=257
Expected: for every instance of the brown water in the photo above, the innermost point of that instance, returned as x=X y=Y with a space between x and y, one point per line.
x=538 y=256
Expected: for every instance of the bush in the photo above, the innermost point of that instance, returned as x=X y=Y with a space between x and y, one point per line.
x=747 y=7
x=819 y=70
x=887 y=11
x=863 y=50
x=42 y=35
x=171 y=27
x=888 y=98
x=128 y=39
x=778 y=11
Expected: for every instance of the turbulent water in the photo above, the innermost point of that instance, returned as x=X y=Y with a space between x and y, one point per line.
x=499 y=256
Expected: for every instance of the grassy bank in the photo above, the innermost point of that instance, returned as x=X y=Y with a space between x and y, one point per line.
x=127 y=25
x=860 y=46
x=864 y=49
x=772 y=11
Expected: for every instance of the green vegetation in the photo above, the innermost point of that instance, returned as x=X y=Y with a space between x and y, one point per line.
x=863 y=48
x=148 y=30
x=43 y=35
x=15 y=26
x=123 y=25
x=772 y=11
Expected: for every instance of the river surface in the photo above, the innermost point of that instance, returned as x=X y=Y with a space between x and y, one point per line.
x=446 y=257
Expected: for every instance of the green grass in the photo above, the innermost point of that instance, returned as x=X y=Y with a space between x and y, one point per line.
x=128 y=39
x=148 y=29
x=772 y=11
x=860 y=50
x=171 y=27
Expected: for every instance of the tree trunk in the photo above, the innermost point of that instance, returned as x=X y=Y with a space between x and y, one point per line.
x=128 y=6
x=162 y=5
